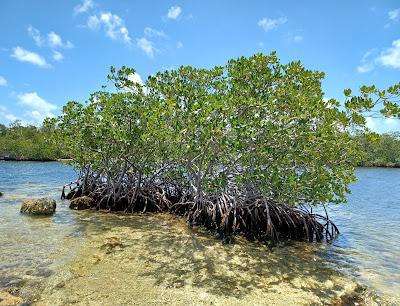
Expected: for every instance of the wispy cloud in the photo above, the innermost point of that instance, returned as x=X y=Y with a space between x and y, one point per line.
x=3 y=81
x=174 y=12
x=83 y=7
x=36 y=36
x=293 y=38
x=24 y=55
x=298 y=38
x=367 y=64
x=57 y=56
x=113 y=25
x=366 y=67
x=147 y=46
x=5 y=114
x=391 y=56
x=268 y=24
x=394 y=14
x=149 y=32
x=179 y=44
x=55 y=41
x=52 y=40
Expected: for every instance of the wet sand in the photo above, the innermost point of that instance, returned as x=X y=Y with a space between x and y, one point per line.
x=158 y=260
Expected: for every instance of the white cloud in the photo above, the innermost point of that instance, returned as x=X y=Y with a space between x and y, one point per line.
x=391 y=56
x=370 y=123
x=37 y=108
x=149 y=32
x=394 y=15
x=34 y=101
x=57 y=56
x=114 y=26
x=3 y=81
x=147 y=46
x=4 y=113
x=84 y=6
x=392 y=122
x=179 y=44
x=55 y=41
x=31 y=57
x=7 y=115
x=174 y=12
x=269 y=24
x=382 y=125
x=36 y=36
x=136 y=78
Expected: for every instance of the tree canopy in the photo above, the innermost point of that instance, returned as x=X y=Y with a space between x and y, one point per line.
x=253 y=123
x=251 y=128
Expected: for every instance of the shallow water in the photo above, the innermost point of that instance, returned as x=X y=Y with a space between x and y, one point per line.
x=368 y=247
x=86 y=257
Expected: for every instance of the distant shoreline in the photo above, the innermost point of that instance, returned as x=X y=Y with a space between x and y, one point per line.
x=6 y=158
x=23 y=159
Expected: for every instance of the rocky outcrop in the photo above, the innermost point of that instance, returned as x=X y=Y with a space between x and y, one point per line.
x=81 y=203
x=39 y=207
x=7 y=299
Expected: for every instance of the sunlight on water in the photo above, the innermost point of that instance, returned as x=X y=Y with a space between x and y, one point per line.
x=81 y=257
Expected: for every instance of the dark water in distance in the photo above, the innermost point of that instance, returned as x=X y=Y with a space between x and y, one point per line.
x=367 y=249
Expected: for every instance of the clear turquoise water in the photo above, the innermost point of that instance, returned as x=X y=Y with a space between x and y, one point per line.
x=30 y=247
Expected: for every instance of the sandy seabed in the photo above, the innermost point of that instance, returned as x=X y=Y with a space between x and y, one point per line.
x=158 y=260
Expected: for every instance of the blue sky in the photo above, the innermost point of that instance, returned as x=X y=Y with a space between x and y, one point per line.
x=52 y=52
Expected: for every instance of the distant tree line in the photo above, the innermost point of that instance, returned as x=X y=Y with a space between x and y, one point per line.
x=380 y=151
x=30 y=142
x=18 y=142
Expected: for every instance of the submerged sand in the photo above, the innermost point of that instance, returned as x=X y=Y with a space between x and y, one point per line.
x=158 y=260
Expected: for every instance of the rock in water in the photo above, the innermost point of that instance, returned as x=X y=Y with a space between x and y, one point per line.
x=7 y=299
x=1 y=194
x=81 y=203
x=38 y=207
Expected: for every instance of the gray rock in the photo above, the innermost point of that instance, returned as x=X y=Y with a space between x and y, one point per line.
x=38 y=207
x=81 y=203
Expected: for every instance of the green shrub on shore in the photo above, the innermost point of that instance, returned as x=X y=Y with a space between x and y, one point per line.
x=380 y=151
x=27 y=143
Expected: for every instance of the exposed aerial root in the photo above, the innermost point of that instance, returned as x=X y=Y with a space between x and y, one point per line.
x=253 y=216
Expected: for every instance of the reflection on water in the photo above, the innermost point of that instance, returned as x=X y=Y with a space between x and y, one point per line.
x=95 y=256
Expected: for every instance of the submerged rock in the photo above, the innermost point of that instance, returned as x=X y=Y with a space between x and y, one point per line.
x=7 y=299
x=38 y=207
x=81 y=203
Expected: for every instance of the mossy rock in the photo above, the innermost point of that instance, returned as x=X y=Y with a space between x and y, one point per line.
x=41 y=206
x=81 y=203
